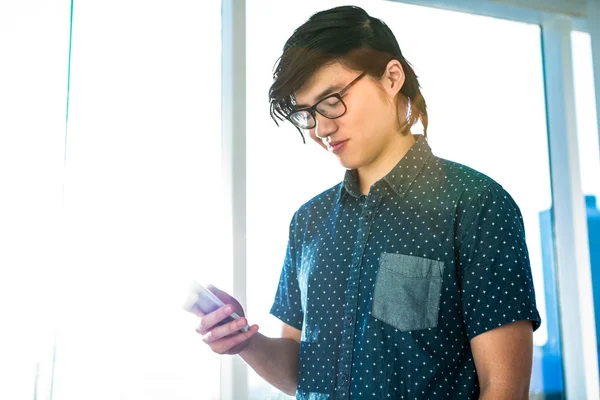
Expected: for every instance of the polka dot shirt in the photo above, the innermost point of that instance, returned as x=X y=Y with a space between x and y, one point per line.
x=389 y=288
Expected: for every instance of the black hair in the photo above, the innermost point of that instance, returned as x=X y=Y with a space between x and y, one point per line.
x=347 y=35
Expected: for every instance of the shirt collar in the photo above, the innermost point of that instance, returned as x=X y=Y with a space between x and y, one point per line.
x=399 y=178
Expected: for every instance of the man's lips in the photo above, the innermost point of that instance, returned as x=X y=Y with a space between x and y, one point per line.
x=336 y=146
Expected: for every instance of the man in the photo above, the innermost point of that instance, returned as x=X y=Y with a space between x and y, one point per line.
x=411 y=278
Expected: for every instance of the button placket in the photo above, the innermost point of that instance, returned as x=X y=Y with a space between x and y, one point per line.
x=347 y=340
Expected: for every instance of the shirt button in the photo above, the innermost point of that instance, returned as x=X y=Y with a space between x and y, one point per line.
x=349 y=318
x=343 y=378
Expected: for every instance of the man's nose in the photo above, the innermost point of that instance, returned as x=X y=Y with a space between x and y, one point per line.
x=325 y=126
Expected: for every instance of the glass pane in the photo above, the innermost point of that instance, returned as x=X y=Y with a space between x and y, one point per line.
x=589 y=157
x=142 y=200
x=34 y=43
x=587 y=127
x=485 y=96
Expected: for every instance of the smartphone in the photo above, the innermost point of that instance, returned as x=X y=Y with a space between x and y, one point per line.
x=203 y=300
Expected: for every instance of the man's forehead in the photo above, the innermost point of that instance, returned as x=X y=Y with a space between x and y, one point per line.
x=324 y=78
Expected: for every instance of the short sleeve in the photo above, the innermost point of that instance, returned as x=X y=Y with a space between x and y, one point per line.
x=287 y=305
x=493 y=263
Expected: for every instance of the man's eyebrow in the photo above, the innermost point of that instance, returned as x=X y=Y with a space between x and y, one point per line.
x=331 y=89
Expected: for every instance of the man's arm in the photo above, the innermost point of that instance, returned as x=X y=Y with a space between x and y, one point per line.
x=276 y=359
x=497 y=293
x=503 y=358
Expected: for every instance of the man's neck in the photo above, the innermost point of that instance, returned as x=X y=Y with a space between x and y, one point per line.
x=382 y=165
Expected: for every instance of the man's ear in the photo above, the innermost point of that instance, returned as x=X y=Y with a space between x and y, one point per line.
x=393 y=78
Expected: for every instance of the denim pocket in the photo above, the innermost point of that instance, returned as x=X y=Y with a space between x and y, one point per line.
x=407 y=291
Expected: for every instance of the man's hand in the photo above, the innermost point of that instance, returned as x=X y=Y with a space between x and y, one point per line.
x=224 y=338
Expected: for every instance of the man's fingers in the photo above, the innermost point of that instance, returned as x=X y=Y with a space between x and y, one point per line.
x=225 y=344
x=224 y=330
x=210 y=320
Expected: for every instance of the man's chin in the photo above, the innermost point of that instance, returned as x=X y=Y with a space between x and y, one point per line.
x=348 y=164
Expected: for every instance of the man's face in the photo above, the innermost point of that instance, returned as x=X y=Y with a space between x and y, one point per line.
x=360 y=135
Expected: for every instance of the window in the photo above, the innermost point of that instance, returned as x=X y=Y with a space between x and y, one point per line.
x=34 y=43
x=587 y=127
x=142 y=200
x=589 y=157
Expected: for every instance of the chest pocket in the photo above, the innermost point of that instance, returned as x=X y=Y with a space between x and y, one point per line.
x=407 y=291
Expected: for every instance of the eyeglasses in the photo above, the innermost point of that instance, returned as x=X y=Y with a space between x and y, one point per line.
x=330 y=107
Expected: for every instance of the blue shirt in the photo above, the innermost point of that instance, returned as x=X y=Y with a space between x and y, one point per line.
x=388 y=289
